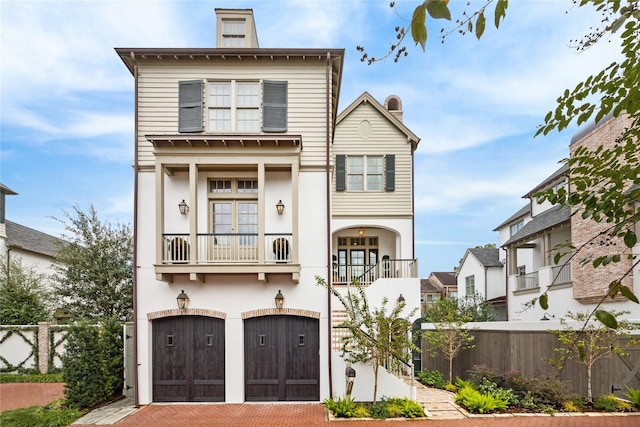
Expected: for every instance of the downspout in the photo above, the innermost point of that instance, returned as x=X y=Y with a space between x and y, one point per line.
x=506 y=283
x=413 y=207
x=328 y=215
x=135 y=233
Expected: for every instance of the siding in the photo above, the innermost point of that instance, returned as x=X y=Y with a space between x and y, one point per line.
x=385 y=138
x=158 y=97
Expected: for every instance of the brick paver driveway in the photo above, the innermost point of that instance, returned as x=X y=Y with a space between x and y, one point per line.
x=309 y=415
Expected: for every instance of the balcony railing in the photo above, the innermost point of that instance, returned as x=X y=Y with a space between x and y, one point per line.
x=527 y=281
x=369 y=273
x=561 y=274
x=227 y=248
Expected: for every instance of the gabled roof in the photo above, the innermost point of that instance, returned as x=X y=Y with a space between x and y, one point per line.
x=428 y=286
x=541 y=223
x=563 y=170
x=524 y=211
x=487 y=257
x=366 y=98
x=447 y=278
x=6 y=190
x=28 y=239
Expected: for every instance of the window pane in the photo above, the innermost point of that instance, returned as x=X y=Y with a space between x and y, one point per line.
x=374 y=173
x=374 y=182
x=355 y=183
x=220 y=94
x=220 y=120
x=247 y=120
x=220 y=186
x=247 y=94
x=247 y=186
x=355 y=165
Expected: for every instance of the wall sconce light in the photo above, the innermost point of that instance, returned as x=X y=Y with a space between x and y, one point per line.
x=183 y=300
x=546 y=315
x=280 y=207
x=184 y=208
x=361 y=231
x=400 y=300
x=279 y=300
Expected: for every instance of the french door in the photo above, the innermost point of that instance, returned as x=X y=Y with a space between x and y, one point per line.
x=234 y=225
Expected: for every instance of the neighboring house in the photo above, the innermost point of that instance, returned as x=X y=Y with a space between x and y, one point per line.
x=572 y=284
x=446 y=280
x=430 y=291
x=32 y=247
x=481 y=273
x=248 y=185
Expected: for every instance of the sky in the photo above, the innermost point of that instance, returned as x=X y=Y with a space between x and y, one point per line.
x=66 y=100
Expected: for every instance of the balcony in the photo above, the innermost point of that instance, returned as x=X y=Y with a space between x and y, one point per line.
x=367 y=274
x=227 y=253
x=527 y=281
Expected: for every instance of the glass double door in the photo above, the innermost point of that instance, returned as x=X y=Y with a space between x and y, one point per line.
x=235 y=228
x=357 y=263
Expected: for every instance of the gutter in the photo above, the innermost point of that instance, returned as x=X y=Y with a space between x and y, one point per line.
x=136 y=396
x=328 y=215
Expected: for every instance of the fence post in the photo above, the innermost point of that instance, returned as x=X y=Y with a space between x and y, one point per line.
x=43 y=347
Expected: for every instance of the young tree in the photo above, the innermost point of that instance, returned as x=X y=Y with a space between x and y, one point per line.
x=450 y=336
x=23 y=297
x=375 y=335
x=94 y=277
x=590 y=343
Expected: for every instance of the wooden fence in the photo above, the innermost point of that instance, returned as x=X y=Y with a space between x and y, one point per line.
x=529 y=351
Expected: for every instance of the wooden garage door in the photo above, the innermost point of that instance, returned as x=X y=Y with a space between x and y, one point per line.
x=188 y=359
x=281 y=358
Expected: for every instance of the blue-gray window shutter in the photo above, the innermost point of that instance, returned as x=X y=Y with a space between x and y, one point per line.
x=341 y=172
x=190 y=106
x=274 y=106
x=390 y=172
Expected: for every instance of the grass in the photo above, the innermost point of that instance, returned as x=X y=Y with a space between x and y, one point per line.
x=55 y=414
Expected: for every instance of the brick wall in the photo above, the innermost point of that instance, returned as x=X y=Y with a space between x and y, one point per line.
x=589 y=283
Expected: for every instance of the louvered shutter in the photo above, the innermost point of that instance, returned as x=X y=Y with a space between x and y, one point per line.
x=190 y=106
x=274 y=106
x=390 y=172
x=341 y=160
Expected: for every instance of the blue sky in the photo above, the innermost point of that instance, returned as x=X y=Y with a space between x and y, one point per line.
x=66 y=118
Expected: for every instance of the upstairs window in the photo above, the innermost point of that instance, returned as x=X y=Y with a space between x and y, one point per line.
x=365 y=173
x=233 y=33
x=233 y=106
x=470 y=285
x=515 y=227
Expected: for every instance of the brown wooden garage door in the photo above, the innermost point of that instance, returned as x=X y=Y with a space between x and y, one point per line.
x=281 y=358
x=188 y=359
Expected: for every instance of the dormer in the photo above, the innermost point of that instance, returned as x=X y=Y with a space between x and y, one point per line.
x=235 y=28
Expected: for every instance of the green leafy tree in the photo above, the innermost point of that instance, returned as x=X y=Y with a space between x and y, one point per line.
x=450 y=336
x=590 y=343
x=23 y=297
x=94 y=277
x=376 y=335
x=605 y=181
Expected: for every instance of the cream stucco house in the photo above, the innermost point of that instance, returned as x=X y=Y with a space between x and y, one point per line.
x=248 y=185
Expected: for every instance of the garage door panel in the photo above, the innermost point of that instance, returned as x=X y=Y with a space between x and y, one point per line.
x=188 y=359
x=281 y=358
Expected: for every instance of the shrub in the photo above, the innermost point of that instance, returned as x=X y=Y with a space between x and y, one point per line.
x=411 y=409
x=112 y=343
x=31 y=378
x=433 y=378
x=546 y=390
x=344 y=407
x=450 y=387
x=633 y=395
x=379 y=411
x=480 y=403
x=492 y=388
x=478 y=373
x=606 y=402
x=361 y=411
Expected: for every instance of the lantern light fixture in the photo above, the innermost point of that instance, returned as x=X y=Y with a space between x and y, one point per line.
x=183 y=300
x=361 y=231
x=184 y=208
x=280 y=207
x=400 y=300
x=279 y=300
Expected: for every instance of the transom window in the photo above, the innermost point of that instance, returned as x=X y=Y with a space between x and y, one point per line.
x=234 y=106
x=233 y=33
x=365 y=173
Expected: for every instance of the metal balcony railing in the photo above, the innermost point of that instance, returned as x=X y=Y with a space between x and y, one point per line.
x=228 y=248
x=527 y=281
x=369 y=273
x=561 y=274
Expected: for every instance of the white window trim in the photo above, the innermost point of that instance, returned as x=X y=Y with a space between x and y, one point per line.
x=364 y=174
x=233 y=107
